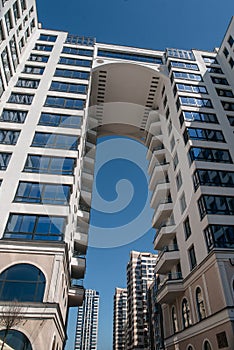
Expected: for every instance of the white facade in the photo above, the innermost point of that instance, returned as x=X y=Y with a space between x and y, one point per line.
x=87 y=322
x=119 y=318
x=180 y=105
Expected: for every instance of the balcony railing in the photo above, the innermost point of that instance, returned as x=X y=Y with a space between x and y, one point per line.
x=77 y=283
x=166 y=223
x=168 y=248
x=171 y=276
x=165 y=201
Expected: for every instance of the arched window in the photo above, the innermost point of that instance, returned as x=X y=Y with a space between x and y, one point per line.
x=207 y=346
x=200 y=304
x=22 y=282
x=190 y=347
x=174 y=319
x=186 y=314
x=15 y=340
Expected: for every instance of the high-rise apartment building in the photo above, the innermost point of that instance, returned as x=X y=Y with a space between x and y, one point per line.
x=87 y=322
x=119 y=318
x=140 y=275
x=58 y=92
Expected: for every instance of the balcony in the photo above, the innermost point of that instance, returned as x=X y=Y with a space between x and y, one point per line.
x=155 y=142
x=165 y=233
x=154 y=130
x=162 y=212
x=76 y=294
x=158 y=173
x=160 y=192
x=78 y=265
x=167 y=259
x=80 y=242
x=86 y=196
x=170 y=288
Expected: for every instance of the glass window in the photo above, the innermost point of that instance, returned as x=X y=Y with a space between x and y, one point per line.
x=8 y=21
x=68 y=87
x=21 y=98
x=179 y=180
x=15 y=340
x=28 y=83
x=225 y=52
x=61 y=120
x=216 y=70
x=203 y=134
x=43 y=47
x=43 y=193
x=174 y=319
x=221 y=81
x=35 y=227
x=219 y=205
x=191 y=88
x=209 y=59
x=73 y=74
x=1 y=86
x=4 y=160
x=228 y=106
x=14 y=54
x=47 y=140
x=197 y=102
x=186 y=314
x=23 y=5
x=187 y=76
x=182 y=203
x=33 y=70
x=185 y=54
x=199 y=117
x=200 y=304
x=184 y=65
x=231 y=119
x=230 y=40
x=22 y=282
x=231 y=62
x=13 y=116
x=129 y=56
x=38 y=58
x=205 y=177
x=79 y=40
x=77 y=51
x=225 y=93
x=49 y=165
x=219 y=236
x=16 y=11
x=47 y=37
x=9 y=137
x=2 y=35
x=187 y=228
x=172 y=143
x=207 y=345
x=209 y=155
x=75 y=62
x=175 y=161
x=6 y=64
x=192 y=257
x=62 y=102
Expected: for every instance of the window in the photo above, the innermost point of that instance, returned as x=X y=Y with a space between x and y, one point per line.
x=184 y=65
x=225 y=52
x=16 y=11
x=28 y=192
x=172 y=143
x=199 y=117
x=192 y=257
x=207 y=345
x=14 y=54
x=22 y=282
x=219 y=236
x=15 y=340
x=21 y=98
x=68 y=87
x=221 y=81
x=47 y=37
x=228 y=106
x=210 y=155
x=178 y=180
x=33 y=70
x=129 y=56
x=174 y=319
x=23 y=5
x=187 y=228
x=231 y=119
x=62 y=102
x=4 y=160
x=43 y=47
x=209 y=59
x=203 y=134
x=200 y=305
x=197 y=102
x=61 y=141
x=77 y=51
x=35 y=227
x=186 y=314
x=6 y=64
x=9 y=137
x=185 y=54
x=38 y=58
x=231 y=62
x=230 y=40
x=169 y=127
x=187 y=76
x=222 y=340
x=49 y=165
x=191 y=88
x=9 y=22
x=2 y=35
x=61 y=120
x=205 y=177
x=13 y=116
x=1 y=86
x=216 y=70
x=219 y=205
x=75 y=62
x=28 y=83
x=73 y=74
x=225 y=93
x=175 y=161
x=182 y=203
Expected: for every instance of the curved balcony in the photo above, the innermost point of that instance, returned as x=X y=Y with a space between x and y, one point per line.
x=167 y=259
x=170 y=288
x=76 y=294
x=162 y=212
x=154 y=130
x=78 y=265
x=80 y=241
x=158 y=173
x=160 y=192
x=164 y=235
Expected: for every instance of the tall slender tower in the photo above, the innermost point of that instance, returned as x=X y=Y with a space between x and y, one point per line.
x=140 y=275
x=87 y=322
x=120 y=318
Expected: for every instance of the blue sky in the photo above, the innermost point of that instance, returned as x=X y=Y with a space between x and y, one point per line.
x=122 y=183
